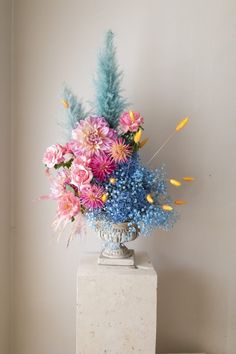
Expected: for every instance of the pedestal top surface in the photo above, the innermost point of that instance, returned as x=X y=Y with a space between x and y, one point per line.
x=88 y=266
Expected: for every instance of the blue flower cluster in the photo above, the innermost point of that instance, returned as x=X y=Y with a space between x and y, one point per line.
x=127 y=200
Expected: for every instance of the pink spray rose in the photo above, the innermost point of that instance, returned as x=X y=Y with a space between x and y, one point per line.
x=53 y=155
x=130 y=121
x=68 y=205
x=81 y=175
x=58 y=183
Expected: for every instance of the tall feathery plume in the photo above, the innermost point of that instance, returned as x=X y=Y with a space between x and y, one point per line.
x=108 y=102
x=74 y=109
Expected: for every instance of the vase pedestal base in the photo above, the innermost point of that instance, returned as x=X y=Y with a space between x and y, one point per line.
x=128 y=261
x=116 y=307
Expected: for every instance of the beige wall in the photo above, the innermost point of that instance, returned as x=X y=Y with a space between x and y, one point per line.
x=5 y=173
x=179 y=58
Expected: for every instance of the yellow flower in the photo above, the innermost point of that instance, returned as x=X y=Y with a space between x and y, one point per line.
x=167 y=207
x=182 y=124
x=104 y=197
x=65 y=103
x=150 y=198
x=174 y=182
x=143 y=142
x=180 y=202
x=137 y=136
x=188 y=179
x=112 y=180
x=131 y=116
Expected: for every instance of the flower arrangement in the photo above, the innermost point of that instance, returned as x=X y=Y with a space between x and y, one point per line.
x=98 y=173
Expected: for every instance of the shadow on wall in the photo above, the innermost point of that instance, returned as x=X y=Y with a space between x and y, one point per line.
x=184 y=300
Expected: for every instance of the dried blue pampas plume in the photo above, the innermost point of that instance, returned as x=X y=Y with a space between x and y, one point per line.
x=108 y=102
x=74 y=109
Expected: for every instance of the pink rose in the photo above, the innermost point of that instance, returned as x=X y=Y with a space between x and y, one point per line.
x=81 y=175
x=53 y=155
x=58 y=183
x=68 y=205
x=130 y=121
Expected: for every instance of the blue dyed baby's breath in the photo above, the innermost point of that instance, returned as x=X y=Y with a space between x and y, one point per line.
x=127 y=199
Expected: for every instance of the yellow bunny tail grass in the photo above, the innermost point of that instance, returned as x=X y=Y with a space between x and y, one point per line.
x=137 y=136
x=167 y=207
x=182 y=124
x=131 y=114
x=104 y=197
x=112 y=180
x=188 y=179
x=179 y=126
x=175 y=183
x=65 y=103
x=180 y=202
x=142 y=143
x=150 y=198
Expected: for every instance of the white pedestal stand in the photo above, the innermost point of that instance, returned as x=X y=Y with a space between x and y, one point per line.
x=116 y=307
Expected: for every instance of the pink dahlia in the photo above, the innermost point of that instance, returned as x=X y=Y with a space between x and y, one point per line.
x=81 y=175
x=102 y=166
x=91 y=196
x=94 y=135
x=130 y=121
x=120 y=151
x=53 y=155
x=68 y=205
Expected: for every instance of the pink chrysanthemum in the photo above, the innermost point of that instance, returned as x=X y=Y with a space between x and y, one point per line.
x=102 y=166
x=130 y=121
x=94 y=135
x=120 y=151
x=91 y=196
x=68 y=205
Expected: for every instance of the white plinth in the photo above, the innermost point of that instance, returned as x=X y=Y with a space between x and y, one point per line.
x=116 y=307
